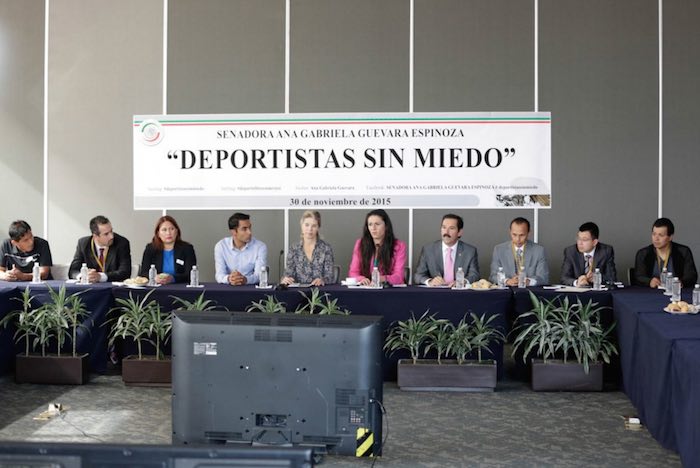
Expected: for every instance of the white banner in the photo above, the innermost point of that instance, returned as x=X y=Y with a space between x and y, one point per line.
x=446 y=160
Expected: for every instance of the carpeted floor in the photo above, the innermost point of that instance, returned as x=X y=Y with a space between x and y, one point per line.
x=511 y=427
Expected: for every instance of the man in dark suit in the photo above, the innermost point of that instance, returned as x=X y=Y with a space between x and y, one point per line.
x=582 y=259
x=433 y=258
x=107 y=254
x=664 y=253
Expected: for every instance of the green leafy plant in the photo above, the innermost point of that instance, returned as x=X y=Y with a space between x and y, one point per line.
x=51 y=323
x=314 y=302
x=460 y=341
x=269 y=305
x=24 y=326
x=322 y=304
x=410 y=334
x=331 y=307
x=427 y=333
x=439 y=339
x=483 y=334
x=536 y=335
x=562 y=329
x=141 y=320
x=199 y=304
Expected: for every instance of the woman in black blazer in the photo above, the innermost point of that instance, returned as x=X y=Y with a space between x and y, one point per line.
x=172 y=256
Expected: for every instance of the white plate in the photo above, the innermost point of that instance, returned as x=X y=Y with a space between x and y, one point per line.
x=257 y=286
x=692 y=310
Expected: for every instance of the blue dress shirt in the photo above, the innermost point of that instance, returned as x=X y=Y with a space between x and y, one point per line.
x=249 y=260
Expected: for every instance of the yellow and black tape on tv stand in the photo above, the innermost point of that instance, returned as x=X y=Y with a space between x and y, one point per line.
x=365 y=443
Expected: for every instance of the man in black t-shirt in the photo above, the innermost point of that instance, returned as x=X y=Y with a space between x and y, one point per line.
x=19 y=253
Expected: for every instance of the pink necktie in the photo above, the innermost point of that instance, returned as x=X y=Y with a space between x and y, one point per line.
x=449 y=266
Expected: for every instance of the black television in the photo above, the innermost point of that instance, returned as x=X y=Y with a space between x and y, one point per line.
x=278 y=380
x=82 y=455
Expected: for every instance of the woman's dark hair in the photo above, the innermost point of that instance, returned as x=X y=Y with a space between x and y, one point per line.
x=367 y=247
x=157 y=243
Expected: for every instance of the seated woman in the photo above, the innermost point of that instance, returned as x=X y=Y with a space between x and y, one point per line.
x=378 y=247
x=172 y=256
x=310 y=261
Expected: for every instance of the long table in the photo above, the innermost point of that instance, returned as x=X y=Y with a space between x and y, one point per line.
x=91 y=337
x=391 y=304
x=659 y=352
x=660 y=372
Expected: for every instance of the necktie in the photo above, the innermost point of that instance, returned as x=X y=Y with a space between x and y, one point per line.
x=588 y=262
x=449 y=266
x=520 y=262
x=101 y=262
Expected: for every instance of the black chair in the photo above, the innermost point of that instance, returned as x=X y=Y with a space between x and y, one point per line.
x=630 y=276
x=336 y=274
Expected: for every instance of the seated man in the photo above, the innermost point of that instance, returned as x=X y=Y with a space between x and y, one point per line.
x=239 y=258
x=451 y=251
x=21 y=251
x=663 y=252
x=107 y=254
x=581 y=259
x=518 y=252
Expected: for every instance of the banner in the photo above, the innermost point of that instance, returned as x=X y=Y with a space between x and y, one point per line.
x=316 y=161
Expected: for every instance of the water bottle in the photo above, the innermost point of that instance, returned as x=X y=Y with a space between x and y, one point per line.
x=696 y=296
x=376 y=283
x=664 y=278
x=676 y=290
x=669 y=284
x=84 y=274
x=501 y=278
x=522 y=279
x=459 y=279
x=597 y=280
x=194 y=277
x=263 y=277
x=152 y=272
x=36 y=273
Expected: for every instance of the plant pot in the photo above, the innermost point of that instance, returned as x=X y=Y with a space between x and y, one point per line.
x=428 y=375
x=556 y=375
x=147 y=372
x=63 y=370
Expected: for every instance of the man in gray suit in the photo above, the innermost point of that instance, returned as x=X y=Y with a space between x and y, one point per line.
x=433 y=258
x=581 y=259
x=520 y=251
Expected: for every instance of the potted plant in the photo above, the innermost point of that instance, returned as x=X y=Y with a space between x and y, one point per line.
x=142 y=321
x=569 y=344
x=199 y=304
x=428 y=334
x=48 y=327
x=320 y=304
x=269 y=305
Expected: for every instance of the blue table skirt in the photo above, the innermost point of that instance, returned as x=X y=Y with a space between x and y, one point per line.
x=685 y=404
x=522 y=303
x=391 y=304
x=91 y=338
x=657 y=335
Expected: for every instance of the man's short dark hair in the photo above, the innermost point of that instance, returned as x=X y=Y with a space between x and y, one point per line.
x=460 y=221
x=97 y=221
x=18 y=229
x=521 y=220
x=665 y=222
x=591 y=227
x=235 y=218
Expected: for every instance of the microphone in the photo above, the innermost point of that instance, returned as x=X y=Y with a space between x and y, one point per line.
x=280 y=263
